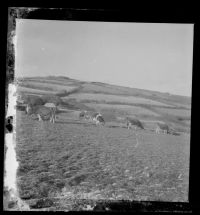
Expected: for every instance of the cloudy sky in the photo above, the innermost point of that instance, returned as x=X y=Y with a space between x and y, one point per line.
x=142 y=55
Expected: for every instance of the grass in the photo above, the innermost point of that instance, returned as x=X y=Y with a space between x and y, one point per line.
x=56 y=159
x=53 y=81
x=123 y=110
x=47 y=86
x=26 y=90
x=115 y=98
x=181 y=113
x=73 y=159
x=127 y=91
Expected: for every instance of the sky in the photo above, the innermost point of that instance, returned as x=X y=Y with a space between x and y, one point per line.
x=152 y=56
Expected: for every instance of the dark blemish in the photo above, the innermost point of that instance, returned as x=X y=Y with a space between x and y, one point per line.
x=9 y=124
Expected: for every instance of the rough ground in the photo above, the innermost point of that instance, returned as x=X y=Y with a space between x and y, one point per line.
x=73 y=159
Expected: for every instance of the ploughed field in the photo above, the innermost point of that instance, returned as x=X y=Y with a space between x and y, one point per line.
x=74 y=159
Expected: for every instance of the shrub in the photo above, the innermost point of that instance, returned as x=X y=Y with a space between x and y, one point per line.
x=75 y=90
x=33 y=100
x=52 y=99
x=62 y=93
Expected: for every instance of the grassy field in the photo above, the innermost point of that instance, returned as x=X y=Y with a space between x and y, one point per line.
x=122 y=110
x=73 y=159
x=175 y=112
x=28 y=91
x=115 y=98
x=166 y=98
x=58 y=81
x=48 y=86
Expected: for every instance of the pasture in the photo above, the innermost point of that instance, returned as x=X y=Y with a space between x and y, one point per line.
x=74 y=159
x=48 y=86
x=185 y=113
x=27 y=90
x=116 y=98
x=123 y=109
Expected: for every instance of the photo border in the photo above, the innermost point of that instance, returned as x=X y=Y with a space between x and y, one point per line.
x=121 y=15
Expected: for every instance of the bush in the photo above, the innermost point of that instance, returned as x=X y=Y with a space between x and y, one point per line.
x=62 y=93
x=75 y=90
x=52 y=99
x=33 y=100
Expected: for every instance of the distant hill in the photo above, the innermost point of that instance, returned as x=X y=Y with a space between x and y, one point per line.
x=148 y=105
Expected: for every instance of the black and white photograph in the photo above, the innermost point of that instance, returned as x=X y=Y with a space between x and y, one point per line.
x=103 y=112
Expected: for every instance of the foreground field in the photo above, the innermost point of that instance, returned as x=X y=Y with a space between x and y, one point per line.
x=75 y=159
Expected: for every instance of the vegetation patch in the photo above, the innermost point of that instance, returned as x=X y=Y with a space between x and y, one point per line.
x=74 y=159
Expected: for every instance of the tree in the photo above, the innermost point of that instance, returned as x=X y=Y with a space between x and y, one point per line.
x=52 y=99
x=62 y=93
x=33 y=100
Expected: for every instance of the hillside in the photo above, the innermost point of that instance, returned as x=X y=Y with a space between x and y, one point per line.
x=115 y=101
x=73 y=164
